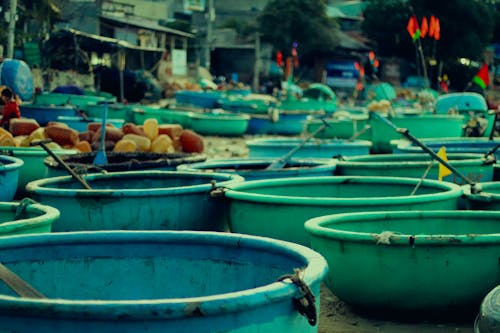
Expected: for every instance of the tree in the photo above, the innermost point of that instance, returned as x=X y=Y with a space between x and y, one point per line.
x=467 y=27
x=283 y=22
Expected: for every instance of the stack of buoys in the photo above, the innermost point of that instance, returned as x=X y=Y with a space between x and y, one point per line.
x=149 y=137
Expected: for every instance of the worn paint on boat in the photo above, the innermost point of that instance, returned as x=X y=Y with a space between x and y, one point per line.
x=181 y=282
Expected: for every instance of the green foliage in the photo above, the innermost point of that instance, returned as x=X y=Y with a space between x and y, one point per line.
x=283 y=22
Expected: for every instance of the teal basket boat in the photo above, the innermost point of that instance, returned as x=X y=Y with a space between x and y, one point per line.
x=257 y=169
x=412 y=262
x=314 y=148
x=33 y=167
x=486 y=196
x=26 y=217
x=474 y=166
x=9 y=176
x=136 y=200
x=183 y=282
x=278 y=208
x=224 y=124
x=420 y=126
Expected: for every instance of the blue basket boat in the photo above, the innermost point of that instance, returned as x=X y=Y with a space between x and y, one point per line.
x=183 y=282
x=136 y=200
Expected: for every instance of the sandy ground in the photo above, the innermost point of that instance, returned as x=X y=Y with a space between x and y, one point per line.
x=335 y=315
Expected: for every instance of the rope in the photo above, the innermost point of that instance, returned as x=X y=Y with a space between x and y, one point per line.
x=21 y=208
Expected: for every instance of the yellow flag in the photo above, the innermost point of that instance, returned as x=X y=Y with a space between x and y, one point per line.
x=443 y=171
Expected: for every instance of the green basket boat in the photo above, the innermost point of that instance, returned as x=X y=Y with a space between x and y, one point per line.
x=136 y=200
x=80 y=101
x=26 y=217
x=420 y=126
x=428 y=262
x=278 y=208
x=341 y=127
x=474 y=166
x=33 y=167
x=486 y=198
x=224 y=124
x=164 y=116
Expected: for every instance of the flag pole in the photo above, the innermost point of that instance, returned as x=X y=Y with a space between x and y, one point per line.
x=422 y=58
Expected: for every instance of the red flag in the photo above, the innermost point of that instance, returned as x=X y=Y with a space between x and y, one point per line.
x=424 y=27
x=432 y=26
x=482 y=77
x=437 y=30
x=412 y=26
x=279 y=58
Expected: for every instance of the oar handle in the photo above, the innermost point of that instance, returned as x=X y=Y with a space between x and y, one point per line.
x=76 y=176
x=284 y=159
x=17 y=284
x=406 y=133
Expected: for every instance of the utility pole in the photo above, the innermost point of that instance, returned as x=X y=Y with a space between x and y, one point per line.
x=11 y=28
x=210 y=19
x=256 y=66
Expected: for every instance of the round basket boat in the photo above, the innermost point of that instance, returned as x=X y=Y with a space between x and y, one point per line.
x=327 y=148
x=33 y=167
x=84 y=162
x=486 y=196
x=488 y=319
x=160 y=281
x=418 y=261
x=136 y=200
x=26 y=217
x=9 y=176
x=256 y=169
x=278 y=208
x=475 y=167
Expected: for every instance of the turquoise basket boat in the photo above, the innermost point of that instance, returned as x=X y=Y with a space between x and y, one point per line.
x=474 y=166
x=26 y=217
x=33 y=167
x=136 y=200
x=79 y=101
x=420 y=126
x=44 y=114
x=133 y=282
x=278 y=208
x=341 y=127
x=9 y=176
x=469 y=104
x=204 y=99
x=488 y=319
x=224 y=124
x=256 y=169
x=114 y=111
x=137 y=161
x=486 y=198
x=452 y=145
x=314 y=148
x=410 y=262
x=164 y=116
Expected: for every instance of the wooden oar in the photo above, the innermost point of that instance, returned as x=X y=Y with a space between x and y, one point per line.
x=61 y=162
x=100 y=157
x=406 y=133
x=17 y=284
x=282 y=161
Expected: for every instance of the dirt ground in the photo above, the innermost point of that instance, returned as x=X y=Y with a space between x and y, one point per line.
x=335 y=315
